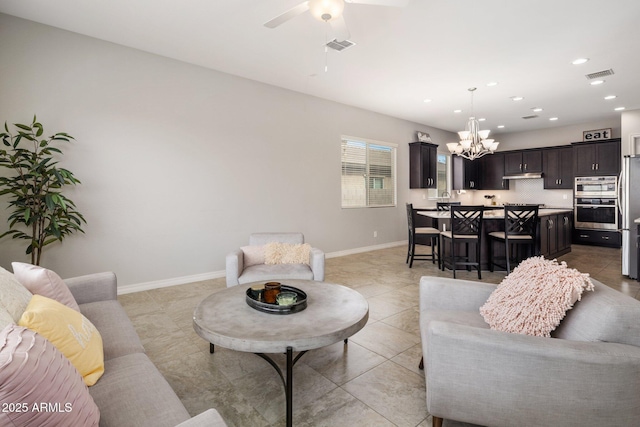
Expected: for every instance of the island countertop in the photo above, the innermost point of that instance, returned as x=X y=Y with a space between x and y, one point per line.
x=494 y=213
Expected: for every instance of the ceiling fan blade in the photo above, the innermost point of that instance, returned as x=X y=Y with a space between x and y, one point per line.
x=391 y=3
x=289 y=14
x=340 y=29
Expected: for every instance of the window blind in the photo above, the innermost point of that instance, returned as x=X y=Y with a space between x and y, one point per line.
x=368 y=173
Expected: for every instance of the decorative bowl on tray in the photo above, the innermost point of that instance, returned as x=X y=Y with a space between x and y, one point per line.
x=299 y=304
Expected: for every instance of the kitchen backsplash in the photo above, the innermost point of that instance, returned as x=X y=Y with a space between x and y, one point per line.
x=520 y=191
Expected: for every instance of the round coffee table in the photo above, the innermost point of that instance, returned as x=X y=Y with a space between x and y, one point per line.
x=333 y=313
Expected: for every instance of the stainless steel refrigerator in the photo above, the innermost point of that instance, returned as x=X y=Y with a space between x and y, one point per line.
x=629 y=204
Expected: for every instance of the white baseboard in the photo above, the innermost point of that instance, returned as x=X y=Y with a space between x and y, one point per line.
x=146 y=286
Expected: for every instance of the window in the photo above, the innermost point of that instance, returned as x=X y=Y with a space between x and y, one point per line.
x=368 y=173
x=444 y=183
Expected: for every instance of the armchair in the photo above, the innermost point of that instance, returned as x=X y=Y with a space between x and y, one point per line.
x=588 y=374
x=243 y=265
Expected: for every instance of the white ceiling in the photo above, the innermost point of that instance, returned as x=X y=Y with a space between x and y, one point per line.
x=433 y=49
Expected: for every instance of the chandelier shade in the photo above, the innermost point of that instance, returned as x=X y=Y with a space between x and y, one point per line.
x=474 y=143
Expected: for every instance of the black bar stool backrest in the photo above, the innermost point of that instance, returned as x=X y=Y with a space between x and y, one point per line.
x=466 y=220
x=444 y=206
x=410 y=216
x=521 y=220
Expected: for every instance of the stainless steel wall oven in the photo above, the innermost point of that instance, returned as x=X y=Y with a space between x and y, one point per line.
x=596 y=203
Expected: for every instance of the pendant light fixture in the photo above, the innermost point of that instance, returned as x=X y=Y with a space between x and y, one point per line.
x=474 y=143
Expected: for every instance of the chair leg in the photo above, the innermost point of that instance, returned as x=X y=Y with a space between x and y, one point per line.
x=478 y=260
x=433 y=251
x=453 y=259
x=508 y=256
x=413 y=251
x=408 y=250
x=491 y=255
x=437 y=422
x=421 y=364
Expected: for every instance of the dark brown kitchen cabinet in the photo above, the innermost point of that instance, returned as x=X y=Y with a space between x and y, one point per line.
x=492 y=172
x=465 y=173
x=423 y=168
x=519 y=162
x=557 y=168
x=597 y=157
x=555 y=234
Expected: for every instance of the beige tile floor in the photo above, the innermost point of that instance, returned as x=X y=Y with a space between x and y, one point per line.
x=374 y=380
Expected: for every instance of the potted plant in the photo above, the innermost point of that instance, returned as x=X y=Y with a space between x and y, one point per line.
x=40 y=214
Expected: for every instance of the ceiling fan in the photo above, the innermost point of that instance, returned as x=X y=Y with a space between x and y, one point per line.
x=329 y=11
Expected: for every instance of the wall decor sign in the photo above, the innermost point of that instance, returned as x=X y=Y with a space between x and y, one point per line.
x=593 y=135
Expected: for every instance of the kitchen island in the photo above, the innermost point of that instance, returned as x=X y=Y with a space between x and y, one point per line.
x=554 y=230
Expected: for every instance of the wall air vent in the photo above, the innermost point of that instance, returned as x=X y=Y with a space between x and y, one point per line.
x=533 y=116
x=340 y=45
x=600 y=74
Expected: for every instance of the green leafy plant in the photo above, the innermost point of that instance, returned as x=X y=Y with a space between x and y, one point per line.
x=41 y=214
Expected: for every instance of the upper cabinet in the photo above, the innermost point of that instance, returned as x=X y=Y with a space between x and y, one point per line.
x=558 y=168
x=492 y=172
x=597 y=158
x=519 y=162
x=465 y=173
x=423 y=168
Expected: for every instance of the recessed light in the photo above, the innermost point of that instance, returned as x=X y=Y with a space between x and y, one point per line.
x=608 y=97
x=619 y=108
x=482 y=119
x=553 y=119
x=500 y=126
x=426 y=101
x=517 y=98
x=537 y=109
x=490 y=84
x=457 y=111
x=596 y=82
x=580 y=61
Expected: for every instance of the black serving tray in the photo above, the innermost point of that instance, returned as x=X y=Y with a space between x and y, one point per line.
x=266 y=307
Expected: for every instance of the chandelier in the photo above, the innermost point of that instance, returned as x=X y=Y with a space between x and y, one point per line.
x=474 y=143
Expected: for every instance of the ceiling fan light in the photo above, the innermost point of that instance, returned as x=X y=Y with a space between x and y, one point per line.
x=326 y=10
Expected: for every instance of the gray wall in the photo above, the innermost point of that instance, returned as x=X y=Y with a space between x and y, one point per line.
x=180 y=163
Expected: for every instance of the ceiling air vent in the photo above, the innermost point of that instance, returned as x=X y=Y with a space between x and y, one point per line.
x=533 y=116
x=340 y=45
x=600 y=74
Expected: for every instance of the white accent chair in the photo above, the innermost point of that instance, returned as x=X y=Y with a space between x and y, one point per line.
x=239 y=273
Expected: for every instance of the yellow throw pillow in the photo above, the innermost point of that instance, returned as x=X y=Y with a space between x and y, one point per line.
x=72 y=333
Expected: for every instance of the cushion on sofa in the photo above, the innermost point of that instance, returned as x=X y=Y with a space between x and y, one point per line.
x=286 y=253
x=252 y=255
x=14 y=297
x=34 y=372
x=71 y=332
x=119 y=337
x=535 y=297
x=132 y=392
x=40 y=281
x=605 y=315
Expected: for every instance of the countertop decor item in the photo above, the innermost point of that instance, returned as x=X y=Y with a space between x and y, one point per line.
x=40 y=213
x=299 y=305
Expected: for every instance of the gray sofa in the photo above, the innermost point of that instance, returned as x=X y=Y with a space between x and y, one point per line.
x=588 y=374
x=239 y=273
x=132 y=392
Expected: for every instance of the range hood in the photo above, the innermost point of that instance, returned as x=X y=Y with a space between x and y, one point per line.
x=530 y=175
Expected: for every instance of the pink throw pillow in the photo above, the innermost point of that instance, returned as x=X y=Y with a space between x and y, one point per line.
x=40 y=281
x=535 y=297
x=39 y=386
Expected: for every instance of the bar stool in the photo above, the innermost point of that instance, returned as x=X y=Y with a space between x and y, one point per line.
x=520 y=229
x=421 y=236
x=444 y=206
x=466 y=227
